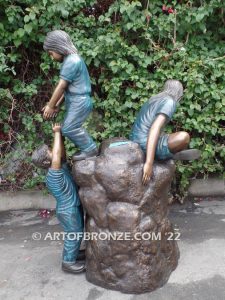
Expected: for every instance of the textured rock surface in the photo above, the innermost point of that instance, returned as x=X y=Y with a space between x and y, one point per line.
x=116 y=201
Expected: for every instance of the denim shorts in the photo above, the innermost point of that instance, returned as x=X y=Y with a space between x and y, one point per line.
x=162 y=149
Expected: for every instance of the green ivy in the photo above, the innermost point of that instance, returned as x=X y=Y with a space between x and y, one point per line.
x=131 y=48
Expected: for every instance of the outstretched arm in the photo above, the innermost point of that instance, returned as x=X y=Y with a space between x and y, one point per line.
x=152 y=141
x=57 y=96
x=58 y=147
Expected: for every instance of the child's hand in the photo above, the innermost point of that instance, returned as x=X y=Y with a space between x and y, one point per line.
x=56 y=127
x=48 y=112
x=147 y=173
x=56 y=109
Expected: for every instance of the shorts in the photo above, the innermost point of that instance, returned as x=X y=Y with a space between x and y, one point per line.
x=162 y=149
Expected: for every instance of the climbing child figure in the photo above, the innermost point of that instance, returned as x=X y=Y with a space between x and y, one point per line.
x=146 y=131
x=61 y=185
x=75 y=85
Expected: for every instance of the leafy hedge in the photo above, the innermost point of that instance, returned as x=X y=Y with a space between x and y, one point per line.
x=131 y=48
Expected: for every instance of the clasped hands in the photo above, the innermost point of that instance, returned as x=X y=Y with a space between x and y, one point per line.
x=49 y=112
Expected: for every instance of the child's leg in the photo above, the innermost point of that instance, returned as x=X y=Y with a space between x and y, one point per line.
x=77 y=112
x=178 y=141
x=169 y=144
x=72 y=223
x=162 y=149
x=174 y=145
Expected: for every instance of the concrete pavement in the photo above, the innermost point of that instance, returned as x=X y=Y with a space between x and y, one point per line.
x=30 y=269
x=26 y=200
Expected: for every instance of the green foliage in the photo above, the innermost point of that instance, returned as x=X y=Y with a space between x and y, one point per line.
x=131 y=48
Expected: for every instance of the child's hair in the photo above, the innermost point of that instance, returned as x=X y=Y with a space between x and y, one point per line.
x=174 y=88
x=40 y=157
x=59 y=41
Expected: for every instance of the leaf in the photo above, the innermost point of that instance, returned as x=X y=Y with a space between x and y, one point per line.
x=17 y=42
x=199 y=17
x=26 y=18
x=32 y=16
x=28 y=27
x=20 y=32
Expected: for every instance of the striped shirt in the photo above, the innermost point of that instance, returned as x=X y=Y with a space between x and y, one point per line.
x=61 y=185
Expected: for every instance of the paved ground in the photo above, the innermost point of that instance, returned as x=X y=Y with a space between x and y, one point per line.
x=31 y=269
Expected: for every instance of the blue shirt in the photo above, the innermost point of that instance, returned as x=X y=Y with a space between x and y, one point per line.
x=61 y=185
x=159 y=104
x=74 y=71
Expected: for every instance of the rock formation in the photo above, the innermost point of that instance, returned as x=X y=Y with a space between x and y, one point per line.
x=117 y=203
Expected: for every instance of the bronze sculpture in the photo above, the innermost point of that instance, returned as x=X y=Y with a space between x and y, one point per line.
x=118 y=205
x=68 y=209
x=115 y=194
x=75 y=84
x=146 y=131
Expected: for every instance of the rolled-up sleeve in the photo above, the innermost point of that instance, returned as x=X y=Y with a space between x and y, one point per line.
x=167 y=107
x=69 y=69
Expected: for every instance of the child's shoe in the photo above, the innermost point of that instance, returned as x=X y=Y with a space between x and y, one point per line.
x=189 y=154
x=77 y=267
x=84 y=155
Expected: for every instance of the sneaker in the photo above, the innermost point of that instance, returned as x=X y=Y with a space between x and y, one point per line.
x=84 y=155
x=77 y=267
x=190 y=154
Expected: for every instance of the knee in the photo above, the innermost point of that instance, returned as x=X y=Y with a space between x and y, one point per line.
x=184 y=138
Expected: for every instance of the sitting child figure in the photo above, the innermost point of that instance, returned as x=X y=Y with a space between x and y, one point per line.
x=147 y=129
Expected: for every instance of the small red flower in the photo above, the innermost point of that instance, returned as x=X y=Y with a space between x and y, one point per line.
x=164 y=8
x=170 y=10
x=44 y=213
x=167 y=10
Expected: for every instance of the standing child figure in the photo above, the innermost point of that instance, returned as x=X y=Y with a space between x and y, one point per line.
x=75 y=85
x=150 y=121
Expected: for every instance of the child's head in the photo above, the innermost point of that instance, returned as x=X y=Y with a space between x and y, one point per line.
x=174 y=88
x=56 y=56
x=42 y=157
x=58 y=44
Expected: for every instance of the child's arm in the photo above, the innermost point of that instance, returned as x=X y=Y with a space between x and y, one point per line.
x=49 y=109
x=57 y=106
x=152 y=141
x=59 y=101
x=57 y=150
